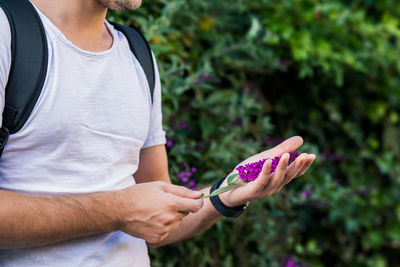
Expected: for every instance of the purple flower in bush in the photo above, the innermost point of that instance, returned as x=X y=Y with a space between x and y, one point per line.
x=247 y=89
x=203 y=78
x=249 y=172
x=181 y=175
x=182 y=124
x=170 y=143
x=291 y=263
x=186 y=175
x=306 y=193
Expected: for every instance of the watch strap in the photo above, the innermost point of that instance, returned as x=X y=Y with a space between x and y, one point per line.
x=220 y=206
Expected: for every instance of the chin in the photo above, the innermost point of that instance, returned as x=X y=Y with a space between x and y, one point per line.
x=121 y=4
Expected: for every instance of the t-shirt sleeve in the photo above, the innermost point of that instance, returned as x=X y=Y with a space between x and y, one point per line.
x=5 y=58
x=156 y=135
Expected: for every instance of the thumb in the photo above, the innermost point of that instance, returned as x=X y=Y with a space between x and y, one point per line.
x=181 y=191
x=286 y=146
x=186 y=200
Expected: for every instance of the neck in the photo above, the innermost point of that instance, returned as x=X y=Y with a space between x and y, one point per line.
x=81 y=21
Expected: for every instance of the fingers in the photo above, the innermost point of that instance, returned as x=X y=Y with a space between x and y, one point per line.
x=280 y=171
x=185 y=205
x=299 y=166
x=295 y=167
x=288 y=145
x=180 y=191
x=183 y=199
x=264 y=177
x=304 y=168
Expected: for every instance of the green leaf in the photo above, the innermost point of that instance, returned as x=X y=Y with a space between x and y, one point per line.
x=231 y=177
x=225 y=189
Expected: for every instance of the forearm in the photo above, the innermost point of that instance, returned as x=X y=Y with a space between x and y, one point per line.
x=27 y=221
x=194 y=223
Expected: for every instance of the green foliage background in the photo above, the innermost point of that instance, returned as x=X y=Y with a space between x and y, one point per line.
x=240 y=75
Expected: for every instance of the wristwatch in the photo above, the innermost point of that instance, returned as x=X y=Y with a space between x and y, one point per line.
x=220 y=206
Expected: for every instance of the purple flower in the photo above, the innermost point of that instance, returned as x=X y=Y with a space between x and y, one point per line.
x=203 y=78
x=182 y=177
x=249 y=172
x=192 y=184
x=291 y=263
x=193 y=169
x=182 y=124
x=306 y=193
x=170 y=143
x=247 y=89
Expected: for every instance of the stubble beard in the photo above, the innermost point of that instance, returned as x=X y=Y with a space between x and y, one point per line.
x=120 y=4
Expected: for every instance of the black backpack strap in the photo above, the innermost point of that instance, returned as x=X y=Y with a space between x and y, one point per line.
x=141 y=49
x=29 y=61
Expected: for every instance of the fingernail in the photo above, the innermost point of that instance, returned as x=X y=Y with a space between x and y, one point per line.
x=200 y=203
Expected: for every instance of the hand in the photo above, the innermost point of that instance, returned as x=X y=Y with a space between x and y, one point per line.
x=152 y=210
x=267 y=184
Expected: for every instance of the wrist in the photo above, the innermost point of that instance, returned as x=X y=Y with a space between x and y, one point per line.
x=113 y=209
x=226 y=198
x=221 y=207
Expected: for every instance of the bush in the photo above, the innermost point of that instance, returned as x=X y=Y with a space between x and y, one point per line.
x=238 y=76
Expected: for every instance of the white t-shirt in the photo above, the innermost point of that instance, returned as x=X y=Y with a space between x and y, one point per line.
x=93 y=117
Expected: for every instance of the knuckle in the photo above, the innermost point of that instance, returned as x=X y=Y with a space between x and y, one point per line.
x=151 y=240
x=162 y=232
x=182 y=188
x=171 y=205
x=168 y=219
x=157 y=239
